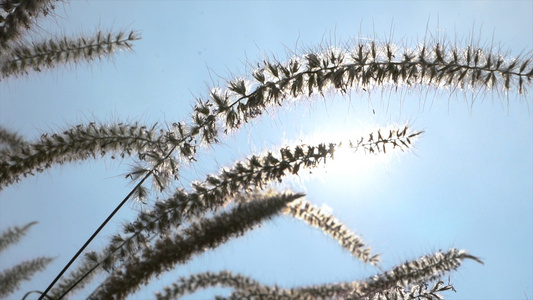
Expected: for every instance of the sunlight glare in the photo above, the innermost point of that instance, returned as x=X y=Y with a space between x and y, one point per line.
x=347 y=161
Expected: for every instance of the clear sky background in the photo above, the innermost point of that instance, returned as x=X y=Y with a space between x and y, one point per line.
x=468 y=184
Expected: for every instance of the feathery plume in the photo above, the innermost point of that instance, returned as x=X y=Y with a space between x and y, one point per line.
x=13 y=234
x=423 y=269
x=82 y=142
x=403 y=282
x=54 y=52
x=10 y=279
x=314 y=216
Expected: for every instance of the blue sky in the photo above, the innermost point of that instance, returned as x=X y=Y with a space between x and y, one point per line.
x=468 y=184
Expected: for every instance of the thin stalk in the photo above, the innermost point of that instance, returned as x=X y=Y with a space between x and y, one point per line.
x=93 y=236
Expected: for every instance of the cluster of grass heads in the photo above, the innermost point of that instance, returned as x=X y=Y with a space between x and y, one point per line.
x=234 y=201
